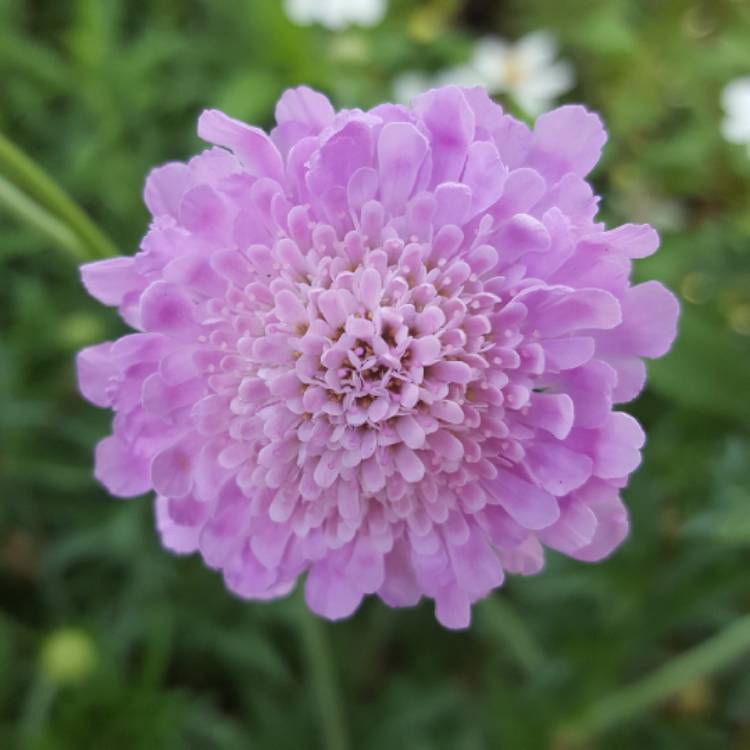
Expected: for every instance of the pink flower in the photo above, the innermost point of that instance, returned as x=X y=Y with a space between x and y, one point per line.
x=380 y=348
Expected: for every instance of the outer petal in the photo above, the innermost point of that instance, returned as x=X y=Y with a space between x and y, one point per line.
x=306 y=107
x=649 y=327
x=110 y=280
x=180 y=539
x=612 y=523
x=95 y=370
x=568 y=139
x=165 y=187
x=450 y=122
x=401 y=151
x=251 y=145
x=329 y=594
x=123 y=472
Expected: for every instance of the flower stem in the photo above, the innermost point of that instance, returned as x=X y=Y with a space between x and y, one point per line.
x=26 y=176
x=33 y=215
x=704 y=659
x=35 y=714
x=320 y=667
x=501 y=620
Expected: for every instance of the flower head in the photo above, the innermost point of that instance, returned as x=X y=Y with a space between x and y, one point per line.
x=380 y=349
x=336 y=14
x=735 y=99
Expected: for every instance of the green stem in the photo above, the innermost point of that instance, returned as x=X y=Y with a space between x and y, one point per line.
x=33 y=215
x=35 y=714
x=708 y=657
x=24 y=173
x=501 y=620
x=320 y=667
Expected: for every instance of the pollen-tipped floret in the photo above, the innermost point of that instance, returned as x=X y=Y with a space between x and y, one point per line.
x=380 y=349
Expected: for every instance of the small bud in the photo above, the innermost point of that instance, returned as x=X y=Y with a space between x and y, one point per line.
x=68 y=656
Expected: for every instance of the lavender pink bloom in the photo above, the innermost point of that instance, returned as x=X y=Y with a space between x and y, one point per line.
x=381 y=349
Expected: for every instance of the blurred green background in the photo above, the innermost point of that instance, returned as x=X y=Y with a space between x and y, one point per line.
x=106 y=641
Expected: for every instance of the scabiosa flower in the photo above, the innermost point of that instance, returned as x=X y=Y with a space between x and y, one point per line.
x=380 y=349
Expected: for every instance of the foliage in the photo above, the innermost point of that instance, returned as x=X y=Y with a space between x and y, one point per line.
x=97 y=91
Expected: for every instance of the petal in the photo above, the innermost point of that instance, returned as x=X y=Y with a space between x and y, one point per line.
x=182 y=540
x=329 y=594
x=453 y=204
x=401 y=151
x=590 y=387
x=366 y=567
x=627 y=241
x=166 y=308
x=574 y=530
x=305 y=106
x=96 y=370
x=568 y=139
x=552 y=412
x=559 y=310
x=450 y=121
x=251 y=145
x=617 y=450
x=631 y=378
x=650 y=313
x=453 y=607
x=556 y=468
x=165 y=187
x=612 y=524
x=410 y=431
x=521 y=234
x=409 y=464
x=400 y=587
x=484 y=174
x=123 y=472
x=527 y=504
x=110 y=280
x=476 y=565
x=171 y=470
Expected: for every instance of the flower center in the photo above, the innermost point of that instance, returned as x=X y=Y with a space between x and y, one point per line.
x=367 y=361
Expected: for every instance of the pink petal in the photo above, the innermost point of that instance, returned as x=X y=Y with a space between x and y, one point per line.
x=450 y=122
x=171 y=470
x=453 y=607
x=612 y=524
x=552 y=412
x=410 y=431
x=165 y=187
x=110 y=280
x=484 y=174
x=617 y=451
x=122 y=471
x=649 y=327
x=96 y=370
x=401 y=152
x=574 y=530
x=568 y=139
x=408 y=464
x=526 y=503
x=556 y=468
x=329 y=594
x=306 y=107
x=166 y=308
x=251 y=145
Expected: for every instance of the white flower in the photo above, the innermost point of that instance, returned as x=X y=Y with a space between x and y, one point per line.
x=735 y=99
x=335 y=14
x=527 y=70
x=409 y=84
